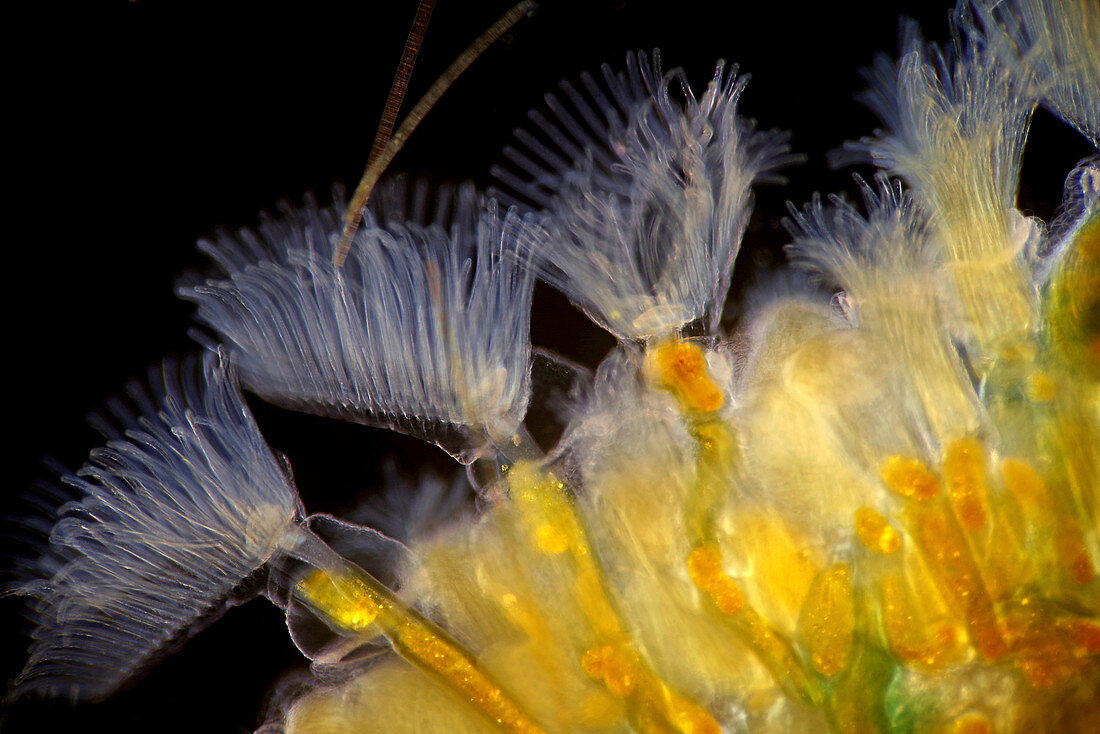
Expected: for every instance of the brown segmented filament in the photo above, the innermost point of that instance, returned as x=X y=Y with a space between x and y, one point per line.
x=378 y=163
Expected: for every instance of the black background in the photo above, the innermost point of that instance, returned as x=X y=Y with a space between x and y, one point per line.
x=141 y=127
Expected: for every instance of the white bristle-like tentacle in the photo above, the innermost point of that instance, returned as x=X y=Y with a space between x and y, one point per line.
x=1057 y=42
x=869 y=254
x=425 y=322
x=956 y=122
x=932 y=99
x=170 y=520
x=647 y=197
x=888 y=265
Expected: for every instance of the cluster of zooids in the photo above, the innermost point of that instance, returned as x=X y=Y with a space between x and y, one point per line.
x=875 y=507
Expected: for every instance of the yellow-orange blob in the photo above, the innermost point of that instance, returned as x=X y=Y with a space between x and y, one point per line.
x=972 y=723
x=705 y=569
x=1023 y=481
x=909 y=477
x=681 y=368
x=345 y=600
x=613 y=666
x=964 y=472
x=875 y=532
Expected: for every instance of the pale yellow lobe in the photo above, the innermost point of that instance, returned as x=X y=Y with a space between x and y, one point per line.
x=909 y=477
x=592 y=598
x=875 y=532
x=783 y=560
x=551 y=539
x=1041 y=388
x=1017 y=351
x=394 y=698
x=526 y=617
x=827 y=622
x=556 y=528
x=773 y=648
x=601 y=711
x=547 y=510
